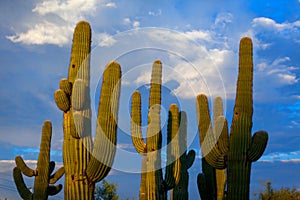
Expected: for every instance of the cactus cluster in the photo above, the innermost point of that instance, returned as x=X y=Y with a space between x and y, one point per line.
x=44 y=179
x=153 y=185
x=226 y=158
x=237 y=153
x=87 y=162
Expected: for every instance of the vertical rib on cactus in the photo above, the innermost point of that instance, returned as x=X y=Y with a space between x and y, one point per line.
x=153 y=186
x=87 y=163
x=180 y=191
x=244 y=148
x=43 y=177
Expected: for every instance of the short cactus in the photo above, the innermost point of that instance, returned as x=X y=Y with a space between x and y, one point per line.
x=243 y=148
x=153 y=186
x=87 y=162
x=43 y=178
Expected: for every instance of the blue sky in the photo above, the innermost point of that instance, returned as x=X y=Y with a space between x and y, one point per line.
x=197 y=42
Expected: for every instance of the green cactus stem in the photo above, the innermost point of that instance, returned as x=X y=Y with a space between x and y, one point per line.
x=180 y=191
x=86 y=161
x=243 y=147
x=153 y=186
x=214 y=141
x=42 y=173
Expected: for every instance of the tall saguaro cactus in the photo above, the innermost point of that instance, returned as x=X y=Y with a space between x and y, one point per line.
x=42 y=173
x=180 y=191
x=153 y=186
x=87 y=162
x=243 y=147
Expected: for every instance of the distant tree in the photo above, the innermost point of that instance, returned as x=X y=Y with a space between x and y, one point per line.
x=284 y=193
x=106 y=191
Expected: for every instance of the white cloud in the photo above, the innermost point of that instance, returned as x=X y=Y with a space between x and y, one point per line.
x=199 y=35
x=105 y=40
x=111 y=5
x=223 y=19
x=270 y=24
x=44 y=33
x=128 y=21
x=155 y=13
x=56 y=22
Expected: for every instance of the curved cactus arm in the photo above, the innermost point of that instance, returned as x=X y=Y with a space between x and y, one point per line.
x=173 y=168
x=190 y=158
x=258 y=146
x=65 y=86
x=62 y=101
x=57 y=175
x=21 y=186
x=27 y=171
x=53 y=190
x=221 y=129
x=136 y=124
x=106 y=131
x=209 y=145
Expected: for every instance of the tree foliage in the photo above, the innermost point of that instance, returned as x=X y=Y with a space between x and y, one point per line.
x=284 y=193
x=106 y=191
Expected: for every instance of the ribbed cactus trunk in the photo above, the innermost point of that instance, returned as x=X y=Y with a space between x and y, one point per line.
x=87 y=163
x=153 y=185
x=243 y=147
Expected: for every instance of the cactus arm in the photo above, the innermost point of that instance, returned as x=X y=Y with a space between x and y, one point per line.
x=105 y=139
x=209 y=146
x=62 y=101
x=136 y=124
x=190 y=158
x=24 y=168
x=258 y=146
x=21 y=186
x=173 y=168
x=57 y=175
x=53 y=190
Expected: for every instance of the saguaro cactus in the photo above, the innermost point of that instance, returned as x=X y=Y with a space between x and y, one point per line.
x=212 y=179
x=243 y=148
x=42 y=173
x=86 y=162
x=180 y=191
x=153 y=186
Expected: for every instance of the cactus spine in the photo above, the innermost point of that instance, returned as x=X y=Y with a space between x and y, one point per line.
x=180 y=192
x=153 y=186
x=42 y=174
x=243 y=148
x=87 y=162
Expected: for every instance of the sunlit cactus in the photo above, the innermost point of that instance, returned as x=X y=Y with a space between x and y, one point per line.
x=243 y=147
x=44 y=179
x=86 y=161
x=153 y=185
